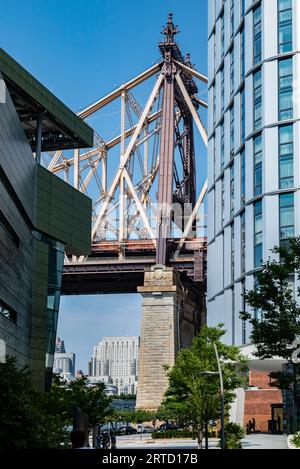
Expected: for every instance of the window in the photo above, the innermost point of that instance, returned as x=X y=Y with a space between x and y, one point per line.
x=243 y=125
x=257 y=93
x=215 y=52
x=222 y=90
x=214 y=106
x=222 y=146
x=232 y=18
x=232 y=189
x=222 y=35
x=243 y=288
x=8 y=312
x=258 y=234
x=285 y=86
x=285 y=26
x=232 y=72
x=223 y=199
x=257 y=35
x=242 y=54
x=215 y=211
x=243 y=243
x=258 y=313
x=233 y=315
x=215 y=160
x=257 y=146
x=286 y=218
x=243 y=178
x=242 y=7
x=231 y=130
x=232 y=252
x=286 y=157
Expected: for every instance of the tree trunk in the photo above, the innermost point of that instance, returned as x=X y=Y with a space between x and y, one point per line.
x=200 y=438
x=206 y=435
x=95 y=432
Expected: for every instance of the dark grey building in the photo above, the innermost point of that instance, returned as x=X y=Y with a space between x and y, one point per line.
x=41 y=217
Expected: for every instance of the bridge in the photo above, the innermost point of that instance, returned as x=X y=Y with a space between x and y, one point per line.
x=148 y=220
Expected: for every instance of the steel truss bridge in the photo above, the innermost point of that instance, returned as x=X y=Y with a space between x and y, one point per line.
x=142 y=180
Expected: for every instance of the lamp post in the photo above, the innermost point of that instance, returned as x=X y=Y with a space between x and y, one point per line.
x=222 y=398
x=213 y=373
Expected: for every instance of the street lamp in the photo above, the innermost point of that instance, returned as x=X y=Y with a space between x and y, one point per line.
x=213 y=373
x=222 y=398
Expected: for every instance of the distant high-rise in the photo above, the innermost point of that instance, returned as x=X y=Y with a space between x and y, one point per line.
x=64 y=363
x=60 y=346
x=115 y=361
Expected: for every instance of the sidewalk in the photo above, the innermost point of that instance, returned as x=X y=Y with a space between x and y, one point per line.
x=264 y=441
x=253 y=441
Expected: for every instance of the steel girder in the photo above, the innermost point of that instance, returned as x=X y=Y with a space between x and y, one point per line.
x=129 y=189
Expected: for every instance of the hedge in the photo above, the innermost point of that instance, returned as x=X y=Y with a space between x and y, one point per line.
x=178 y=434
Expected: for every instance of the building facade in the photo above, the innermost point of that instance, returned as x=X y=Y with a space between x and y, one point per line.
x=60 y=345
x=64 y=363
x=115 y=361
x=41 y=217
x=253 y=149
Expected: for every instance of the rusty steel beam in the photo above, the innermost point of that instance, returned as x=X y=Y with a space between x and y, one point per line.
x=166 y=162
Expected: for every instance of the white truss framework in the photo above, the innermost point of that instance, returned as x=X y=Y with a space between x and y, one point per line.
x=123 y=191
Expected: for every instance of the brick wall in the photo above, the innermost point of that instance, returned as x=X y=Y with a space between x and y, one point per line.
x=258 y=402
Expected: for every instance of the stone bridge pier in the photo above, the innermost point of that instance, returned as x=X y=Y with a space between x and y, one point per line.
x=173 y=310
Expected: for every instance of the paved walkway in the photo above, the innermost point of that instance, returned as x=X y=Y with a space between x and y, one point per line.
x=254 y=441
x=265 y=441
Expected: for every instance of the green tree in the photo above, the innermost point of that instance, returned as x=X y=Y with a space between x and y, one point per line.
x=19 y=413
x=278 y=324
x=92 y=400
x=25 y=421
x=194 y=398
x=39 y=420
x=134 y=416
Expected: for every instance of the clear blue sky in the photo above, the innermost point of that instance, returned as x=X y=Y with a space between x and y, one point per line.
x=81 y=49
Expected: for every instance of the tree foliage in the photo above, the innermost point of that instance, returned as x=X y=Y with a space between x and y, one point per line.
x=193 y=397
x=92 y=400
x=277 y=325
x=134 y=416
x=30 y=419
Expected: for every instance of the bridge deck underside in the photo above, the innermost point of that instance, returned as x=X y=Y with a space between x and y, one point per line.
x=103 y=272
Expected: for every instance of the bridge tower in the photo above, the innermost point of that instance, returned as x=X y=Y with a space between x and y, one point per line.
x=173 y=307
x=147 y=208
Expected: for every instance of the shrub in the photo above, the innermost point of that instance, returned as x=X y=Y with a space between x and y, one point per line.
x=233 y=436
x=178 y=434
x=296 y=440
x=234 y=429
x=232 y=442
x=173 y=434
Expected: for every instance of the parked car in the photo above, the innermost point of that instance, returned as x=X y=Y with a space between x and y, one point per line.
x=127 y=430
x=167 y=426
x=145 y=429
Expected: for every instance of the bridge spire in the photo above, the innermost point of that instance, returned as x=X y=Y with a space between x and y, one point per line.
x=170 y=30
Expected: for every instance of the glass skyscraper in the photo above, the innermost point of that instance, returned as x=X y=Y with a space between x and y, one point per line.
x=253 y=150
